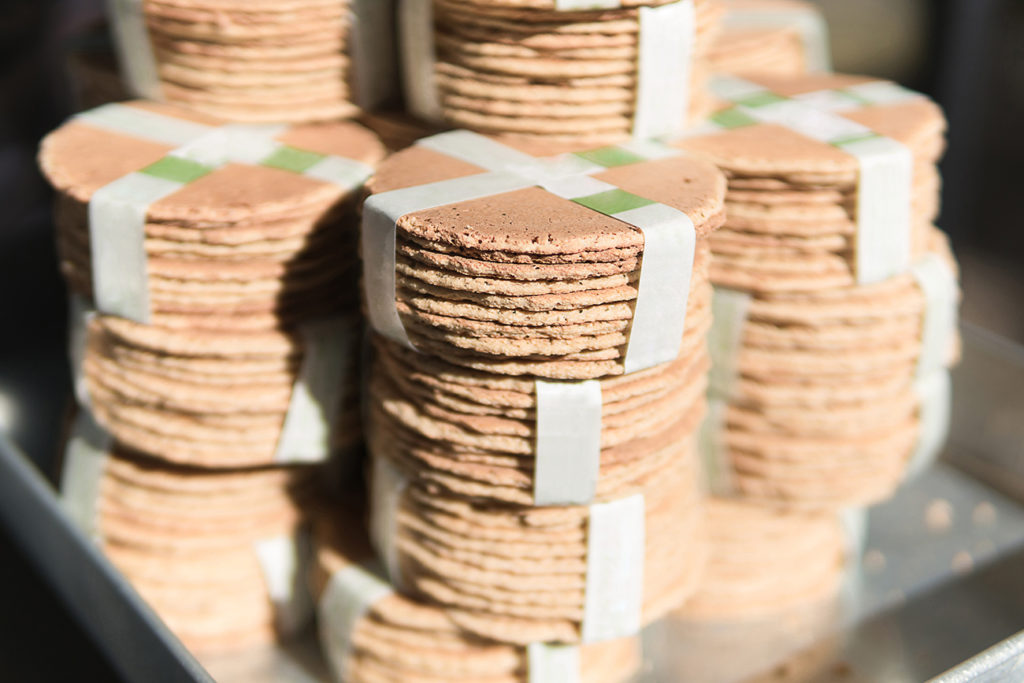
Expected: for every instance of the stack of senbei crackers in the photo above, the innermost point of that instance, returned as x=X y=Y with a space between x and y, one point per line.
x=214 y=551
x=216 y=339
x=777 y=37
x=371 y=632
x=538 y=384
x=258 y=60
x=584 y=73
x=835 y=300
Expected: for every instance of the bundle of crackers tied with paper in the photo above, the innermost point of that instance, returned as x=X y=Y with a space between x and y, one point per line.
x=220 y=555
x=215 y=337
x=218 y=269
x=581 y=72
x=836 y=298
x=258 y=60
x=777 y=37
x=369 y=631
x=538 y=382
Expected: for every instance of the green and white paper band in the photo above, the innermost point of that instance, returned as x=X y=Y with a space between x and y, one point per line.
x=807 y=21
x=614 y=588
x=318 y=392
x=80 y=312
x=372 y=52
x=547 y=663
x=85 y=460
x=885 y=169
x=285 y=562
x=729 y=310
x=134 y=49
x=935 y=396
x=568 y=447
x=939 y=285
x=855 y=532
x=717 y=468
x=117 y=211
x=350 y=593
x=665 y=55
x=387 y=487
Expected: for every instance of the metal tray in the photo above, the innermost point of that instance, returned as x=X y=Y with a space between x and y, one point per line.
x=938 y=595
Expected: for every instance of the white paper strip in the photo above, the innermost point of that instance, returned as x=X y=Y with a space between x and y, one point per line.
x=568 y=449
x=349 y=595
x=387 y=486
x=285 y=561
x=935 y=393
x=659 y=314
x=553 y=663
x=616 y=543
x=419 y=58
x=729 y=309
x=477 y=149
x=583 y=5
x=373 y=51
x=665 y=56
x=718 y=476
x=117 y=219
x=883 y=208
x=142 y=123
x=79 y=315
x=670 y=239
x=329 y=346
x=134 y=48
x=85 y=459
x=381 y=213
x=855 y=531
x=808 y=22
x=870 y=93
x=939 y=285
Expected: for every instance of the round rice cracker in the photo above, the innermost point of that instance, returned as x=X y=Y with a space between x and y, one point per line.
x=535 y=223
x=400 y=638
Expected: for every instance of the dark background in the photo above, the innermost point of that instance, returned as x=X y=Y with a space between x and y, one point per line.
x=967 y=54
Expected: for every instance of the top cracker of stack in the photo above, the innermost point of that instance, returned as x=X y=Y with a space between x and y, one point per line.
x=258 y=60
x=584 y=73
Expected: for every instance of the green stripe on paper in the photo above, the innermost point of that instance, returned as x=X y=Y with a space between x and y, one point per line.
x=612 y=202
x=732 y=118
x=610 y=157
x=869 y=135
x=179 y=170
x=293 y=159
x=760 y=100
